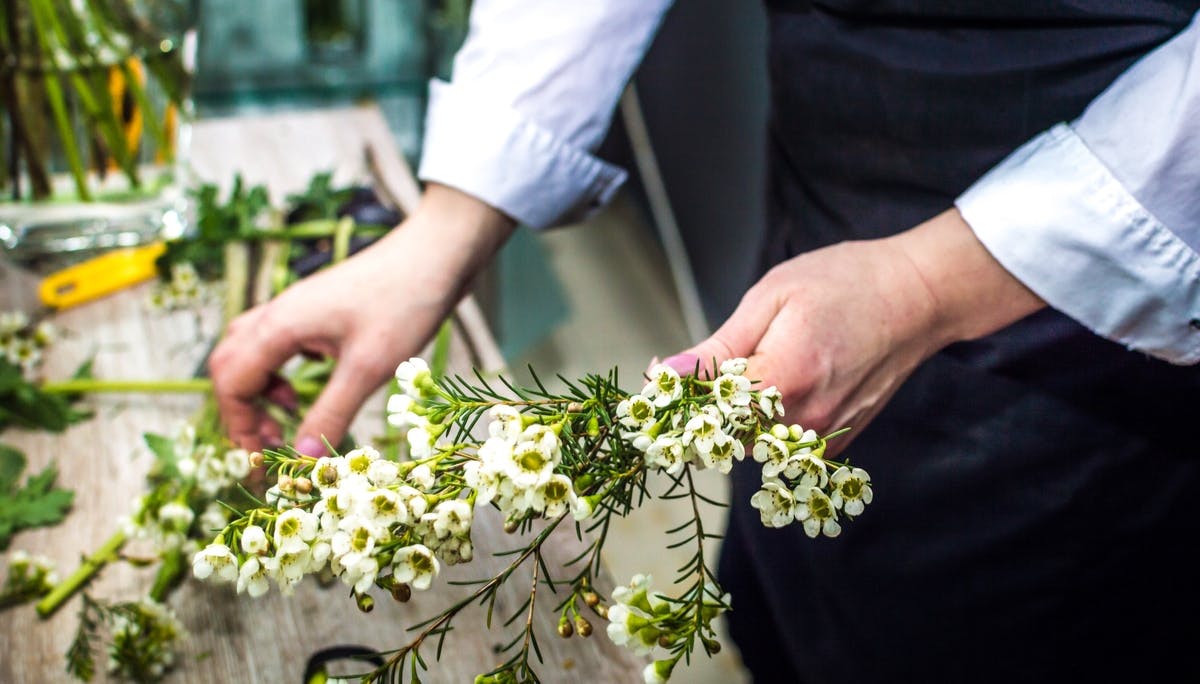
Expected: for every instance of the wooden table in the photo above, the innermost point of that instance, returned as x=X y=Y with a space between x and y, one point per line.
x=103 y=460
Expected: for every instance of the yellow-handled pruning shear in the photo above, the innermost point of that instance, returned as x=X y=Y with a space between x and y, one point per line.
x=100 y=276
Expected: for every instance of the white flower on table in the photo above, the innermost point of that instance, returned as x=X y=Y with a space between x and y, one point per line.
x=415 y=565
x=775 y=503
x=294 y=529
x=216 y=561
x=664 y=386
x=816 y=512
x=851 y=490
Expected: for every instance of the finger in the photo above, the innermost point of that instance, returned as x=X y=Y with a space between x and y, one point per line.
x=329 y=418
x=279 y=392
x=242 y=366
x=738 y=337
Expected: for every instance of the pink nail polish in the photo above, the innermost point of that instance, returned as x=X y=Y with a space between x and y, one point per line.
x=684 y=364
x=310 y=446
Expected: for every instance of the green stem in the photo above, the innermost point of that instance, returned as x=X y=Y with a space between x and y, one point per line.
x=341 y=239
x=169 y=572
x=57 y=103
x=88 y=569
x=237 y=277
x=85 y=385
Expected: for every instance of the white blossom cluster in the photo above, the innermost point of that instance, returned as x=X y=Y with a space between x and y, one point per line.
x=21 y=342
x=145 y=638
x=644 y=621
x=797 y=485
x=184 y=290
x=27 y=573
x=165 y=515
x=709 y=437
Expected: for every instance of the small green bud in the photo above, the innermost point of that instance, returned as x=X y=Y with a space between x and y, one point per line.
x=565 y=629
x=366 y=603
x=593 y=426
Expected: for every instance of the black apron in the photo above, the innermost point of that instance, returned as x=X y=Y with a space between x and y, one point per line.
x=1034 y=508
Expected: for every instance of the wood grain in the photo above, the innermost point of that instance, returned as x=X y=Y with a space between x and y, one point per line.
x=236 y=639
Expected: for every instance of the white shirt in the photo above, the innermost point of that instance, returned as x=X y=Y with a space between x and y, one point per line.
x=1100 y=216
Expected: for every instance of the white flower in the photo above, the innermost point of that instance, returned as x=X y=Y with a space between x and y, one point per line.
x=736 y=366
x=664 y=386
x=544 y=438
x=175 y=517
x=420 y=442
x=382 y=473
x=554 y=498
x=383 y=508
x=506 y=424
x=292 y=567
x=357 y=462
x=724 y=450
x=810 y=467
x=816 y=511
x=411 y=374
x=402 y=412
x=186 y=467
x=453 y=519
x=413 y=500
x=355 y=539
x=666 y=452
x=217 y=561
x=327 y=471
x=237 y=463
x=582 y=508
x=294 y=529
x=775 y=503
x=657 y=672
x=636 y=412
x=731 y=391
x=361 y=574
x=415 y=565
x=529 y=465
x=851 y=490
x=625 y=628
x=214 y=517
x=318 y=555
x=254 y=540
x=770 y=400
x=421 y=476
x=252 y=578
x=772 y=452
x=701 y=431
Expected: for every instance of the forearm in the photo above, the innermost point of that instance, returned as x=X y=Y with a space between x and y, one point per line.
x=971 y=293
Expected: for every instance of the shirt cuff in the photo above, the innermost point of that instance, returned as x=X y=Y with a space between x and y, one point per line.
x=1059 y=221
x=493 y=152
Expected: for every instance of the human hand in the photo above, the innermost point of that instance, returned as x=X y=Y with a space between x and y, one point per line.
x=839 y=329
x=370 y=313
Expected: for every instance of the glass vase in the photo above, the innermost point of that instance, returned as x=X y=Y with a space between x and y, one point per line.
x=95 y=126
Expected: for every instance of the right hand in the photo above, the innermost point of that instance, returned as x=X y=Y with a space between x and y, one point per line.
x=370 y=313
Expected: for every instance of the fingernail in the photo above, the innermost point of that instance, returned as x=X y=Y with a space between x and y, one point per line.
x=684 y=364
x=310 y=446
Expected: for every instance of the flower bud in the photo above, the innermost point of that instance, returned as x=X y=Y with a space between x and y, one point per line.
x=401 y=592
x=591 y=598
x=712 y=646
x=565 y=629
x=593 y=426
x=602 y=611
x=366 y=603
x=583 y=626
x=256 y=459
x=303 y=485
x=286 y=484
x=574 y=407
x=510 y=526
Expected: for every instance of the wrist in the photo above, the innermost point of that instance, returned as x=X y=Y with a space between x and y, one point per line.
x=972 y=294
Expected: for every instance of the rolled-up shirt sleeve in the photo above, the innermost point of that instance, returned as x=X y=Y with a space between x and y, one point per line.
x=1101 y=217
x=532 y=93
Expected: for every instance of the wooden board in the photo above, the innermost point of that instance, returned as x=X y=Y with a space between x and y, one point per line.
x=240 y=640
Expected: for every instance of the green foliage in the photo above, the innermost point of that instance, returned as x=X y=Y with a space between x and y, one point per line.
x=217 y=223
x=320 y=200
x=23 y=405
x=35 y=504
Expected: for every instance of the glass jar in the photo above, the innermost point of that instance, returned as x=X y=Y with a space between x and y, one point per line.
x=96 y=105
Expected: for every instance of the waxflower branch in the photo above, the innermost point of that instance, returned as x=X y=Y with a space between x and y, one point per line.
x=586 y=451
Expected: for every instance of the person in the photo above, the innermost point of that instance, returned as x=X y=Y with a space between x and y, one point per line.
x=1004 y=306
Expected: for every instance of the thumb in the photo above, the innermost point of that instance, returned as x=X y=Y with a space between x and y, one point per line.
x=737 y=337
x=335 y=408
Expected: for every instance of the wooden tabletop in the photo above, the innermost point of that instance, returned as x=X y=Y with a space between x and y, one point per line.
x=236 y=639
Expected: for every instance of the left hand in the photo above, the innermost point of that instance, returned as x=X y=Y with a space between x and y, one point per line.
x=839 y=329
